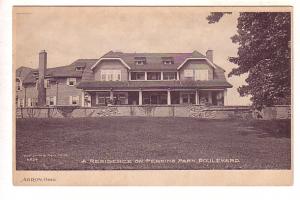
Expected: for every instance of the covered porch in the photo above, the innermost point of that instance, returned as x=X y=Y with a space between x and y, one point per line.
x=95 y=98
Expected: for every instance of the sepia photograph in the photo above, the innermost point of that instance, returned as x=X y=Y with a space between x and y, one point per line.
x=152 y=89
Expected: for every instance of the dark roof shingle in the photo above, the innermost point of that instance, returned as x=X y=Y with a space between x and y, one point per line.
x=153 y=60
x=62 y=71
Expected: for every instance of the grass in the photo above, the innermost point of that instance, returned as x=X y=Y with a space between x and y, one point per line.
x=83 y=143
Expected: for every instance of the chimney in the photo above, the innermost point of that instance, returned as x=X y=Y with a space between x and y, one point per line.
x=210 y=55
x=42 y=73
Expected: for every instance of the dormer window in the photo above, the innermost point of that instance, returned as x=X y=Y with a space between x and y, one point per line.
x=140 y=60
x=36 y=73
x=167 y=60
x=79 y=68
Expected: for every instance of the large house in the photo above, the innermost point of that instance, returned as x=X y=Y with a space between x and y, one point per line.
x=119 y=78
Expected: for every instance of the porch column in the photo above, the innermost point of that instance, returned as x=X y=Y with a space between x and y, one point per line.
x=180 y=98
x=140 y=97
x=169 y=97
x=145 y=75
x=177 y=78
x=210 y=97
x=89 y=99
x=82 y=98
x=225 y=97
x=111 y=95
x=197 y=97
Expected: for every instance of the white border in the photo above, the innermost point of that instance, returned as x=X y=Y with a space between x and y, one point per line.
x=7 y=191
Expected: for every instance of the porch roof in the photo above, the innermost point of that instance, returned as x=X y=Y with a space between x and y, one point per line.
x=153 y=84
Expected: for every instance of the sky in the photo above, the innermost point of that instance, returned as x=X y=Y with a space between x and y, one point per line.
x=70 y=33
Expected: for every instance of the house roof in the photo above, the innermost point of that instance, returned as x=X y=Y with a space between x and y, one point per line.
x=153 y=60
x=22 y=72
x=153 y=84
x=153 y=63
x=62 y=71
x=84 y=62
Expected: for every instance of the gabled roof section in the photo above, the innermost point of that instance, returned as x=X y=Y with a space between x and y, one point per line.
x=196 y=56
x=62 y=71
x=31 y=77
x=84 y=62
x=154 y=60
x=22 y=72
x=110 y=58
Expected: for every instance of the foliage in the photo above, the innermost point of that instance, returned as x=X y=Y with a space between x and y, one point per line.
x=65 y=111
x=264 y=53
x=216 y=16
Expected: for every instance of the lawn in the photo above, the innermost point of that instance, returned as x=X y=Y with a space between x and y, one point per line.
x=152 y=143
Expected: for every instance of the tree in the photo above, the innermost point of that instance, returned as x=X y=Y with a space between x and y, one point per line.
x=264 y=53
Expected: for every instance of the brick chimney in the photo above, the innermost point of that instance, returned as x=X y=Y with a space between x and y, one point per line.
x=42 y=73
x=210 y=55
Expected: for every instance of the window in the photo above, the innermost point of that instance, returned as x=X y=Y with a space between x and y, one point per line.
x=155 y=98
x=120 y=98
x=167 y=60
x=110 y=75
x=140 y=60
x=74 y=100
x=71 y=81
x=169 y=75
x=137 y=75
x=51 y=101
x=102 y=98
x=103 y=77
x=19 y=84
x=79 y=68
x=188 y=73
x=188 y=98
x=20 y=102
x=204 y=97
x=201 y=74
x=153 y=76
x=31 y=102
x=47 y=83
x=185 y=98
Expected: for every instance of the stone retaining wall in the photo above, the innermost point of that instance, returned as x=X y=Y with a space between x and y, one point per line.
x=196 y=111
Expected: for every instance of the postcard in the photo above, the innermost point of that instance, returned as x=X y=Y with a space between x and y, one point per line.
x=133 y=95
